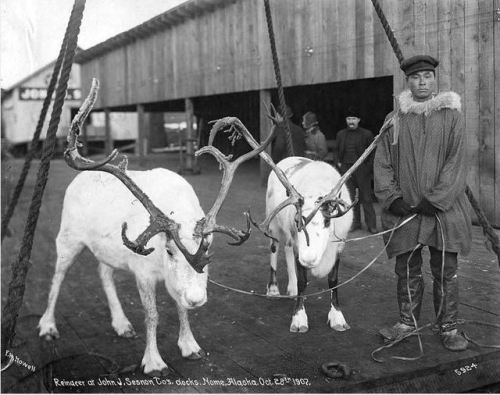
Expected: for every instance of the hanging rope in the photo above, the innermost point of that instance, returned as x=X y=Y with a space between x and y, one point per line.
x=483 y=221
x=20 y=267
x=34 y=142
x=281 y=94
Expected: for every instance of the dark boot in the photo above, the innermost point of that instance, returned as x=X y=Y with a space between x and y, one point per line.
x=407 y=311
x=446 y=299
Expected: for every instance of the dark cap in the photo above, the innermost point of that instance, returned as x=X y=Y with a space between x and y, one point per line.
x=352 y=112
x=309 y=119
x=419 y=63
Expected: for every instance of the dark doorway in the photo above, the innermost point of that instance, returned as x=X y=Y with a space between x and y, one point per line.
x=244 y=106
x=372 y=96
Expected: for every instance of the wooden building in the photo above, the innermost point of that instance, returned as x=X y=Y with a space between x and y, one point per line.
x=212 y=58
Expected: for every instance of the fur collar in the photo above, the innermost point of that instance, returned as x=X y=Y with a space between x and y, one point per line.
x=441 y=100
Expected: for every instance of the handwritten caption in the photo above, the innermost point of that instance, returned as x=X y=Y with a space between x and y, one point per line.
x=204 y=381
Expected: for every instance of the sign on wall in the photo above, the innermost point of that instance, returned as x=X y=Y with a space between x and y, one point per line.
x=27 y=93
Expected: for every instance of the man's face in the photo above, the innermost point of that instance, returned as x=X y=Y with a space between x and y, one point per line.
x=422 y=84
x=352 y=122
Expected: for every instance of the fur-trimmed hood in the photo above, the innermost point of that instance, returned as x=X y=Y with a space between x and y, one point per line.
x=441 y=100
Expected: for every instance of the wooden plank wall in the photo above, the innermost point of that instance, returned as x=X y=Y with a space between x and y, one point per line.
x=320 y=41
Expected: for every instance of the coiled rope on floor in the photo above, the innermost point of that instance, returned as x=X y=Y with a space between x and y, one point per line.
x=21 y=265
x=277 y=72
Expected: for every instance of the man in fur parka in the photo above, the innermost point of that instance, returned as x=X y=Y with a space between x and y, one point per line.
x=420 y=167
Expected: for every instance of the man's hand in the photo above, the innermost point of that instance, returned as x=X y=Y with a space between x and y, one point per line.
x=401 y=208
x=426 y=208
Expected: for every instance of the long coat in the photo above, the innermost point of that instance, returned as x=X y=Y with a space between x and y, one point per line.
x=424 y=156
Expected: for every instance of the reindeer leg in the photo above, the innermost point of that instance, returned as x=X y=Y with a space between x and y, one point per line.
x=292 y=272
x=152 y=362
x=67 y=250
x=272 y=286
x=299 y=318
x=119 y=320
x=187 y=344
x=335 y=317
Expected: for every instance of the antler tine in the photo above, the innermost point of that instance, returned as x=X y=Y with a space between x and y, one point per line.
x=332 y=195
x=294 y=197
x=159 y=222
x=229 y=168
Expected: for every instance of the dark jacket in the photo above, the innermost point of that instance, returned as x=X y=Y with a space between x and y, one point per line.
x=364 y=136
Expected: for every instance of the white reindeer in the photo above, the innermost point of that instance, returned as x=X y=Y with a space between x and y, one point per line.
x=95 y=206
x=313 y=248
x=178 y=232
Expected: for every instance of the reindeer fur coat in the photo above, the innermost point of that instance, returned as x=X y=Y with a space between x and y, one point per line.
x=424 y=155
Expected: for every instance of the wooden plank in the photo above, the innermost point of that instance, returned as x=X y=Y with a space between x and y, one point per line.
x=368 y=41
x=107 y=132
x=330 y=12
x=360 y=37
x=486 y=109
x=347 y=41
x=431 y=28
x=471 y=99
x=444 y=46
x=496 y=123
x=457 y=40
x=420 y=23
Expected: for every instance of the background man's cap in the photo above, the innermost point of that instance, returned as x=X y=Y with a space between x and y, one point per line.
x=419 y=63
x=309 y=119
x=352 y=112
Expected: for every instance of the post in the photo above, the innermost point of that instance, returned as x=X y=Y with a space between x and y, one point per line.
x=264 y=127
x=188 y=164
x=108 y=139
x=141 y=133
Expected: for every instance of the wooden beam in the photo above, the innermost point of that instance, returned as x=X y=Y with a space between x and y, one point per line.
x=141 y=142
x=486 y=109
x=496 y=122
x=265 y=128
x=108 y=139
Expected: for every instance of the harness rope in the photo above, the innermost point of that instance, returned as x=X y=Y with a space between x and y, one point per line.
x=281 y=94
x=253 y=293
x=20 y=267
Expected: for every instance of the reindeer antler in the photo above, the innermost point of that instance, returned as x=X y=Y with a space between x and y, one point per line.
x=332 y=196
x=159 y=222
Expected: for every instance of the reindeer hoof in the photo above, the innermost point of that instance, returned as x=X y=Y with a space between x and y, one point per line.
x=49 y=334
x=130 y=334
x=158 y=373
x=273 y=290
x=298 y=329
x=197 y=355
x=341 y=328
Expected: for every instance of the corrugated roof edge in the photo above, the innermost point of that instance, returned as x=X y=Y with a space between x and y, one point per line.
x=160 y=22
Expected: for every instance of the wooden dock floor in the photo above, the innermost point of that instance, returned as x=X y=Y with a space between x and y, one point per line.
x=247 y=339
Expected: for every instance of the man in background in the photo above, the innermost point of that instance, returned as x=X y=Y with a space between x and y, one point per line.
x=316 y=147
x=351 y=143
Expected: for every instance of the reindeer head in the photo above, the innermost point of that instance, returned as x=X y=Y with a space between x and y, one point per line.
x=159 y=221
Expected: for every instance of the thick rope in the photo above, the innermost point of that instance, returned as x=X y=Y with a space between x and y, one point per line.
x=21 y=266
x=483 y=221
x=281 y=94
x=36 y=137
x=388 y=31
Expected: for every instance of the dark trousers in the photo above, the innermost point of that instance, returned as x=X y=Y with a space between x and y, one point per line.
x=361 y=180
x=445 y=292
